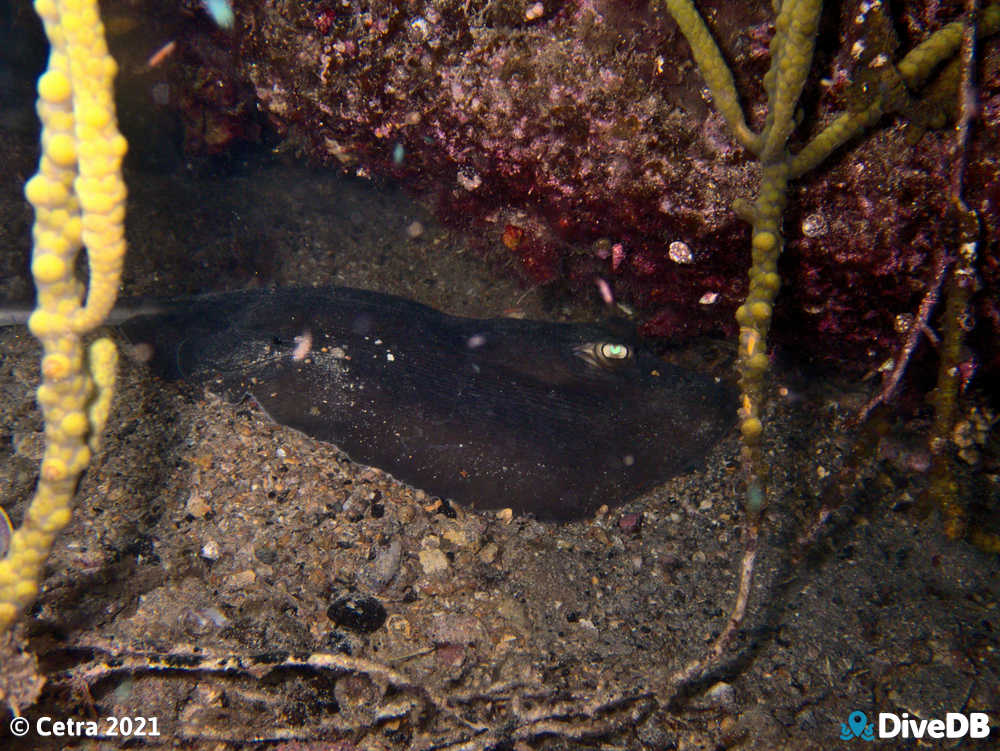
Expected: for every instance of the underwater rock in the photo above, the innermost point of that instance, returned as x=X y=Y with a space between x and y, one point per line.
x=358 y=613
x=588 y=124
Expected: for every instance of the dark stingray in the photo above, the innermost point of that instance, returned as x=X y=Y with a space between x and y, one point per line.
x=547 y=418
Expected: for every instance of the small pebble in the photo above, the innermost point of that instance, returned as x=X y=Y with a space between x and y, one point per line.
x=384 y=568
x=456 y=536
x=123 y=691
x=679 y=252
x=339 y=642
x=433 y=561
x=630 y=523
x=241 y=579
x=196 y=506
x=814 y=225
x=216 y=616
x=357 y=613
x=489 y=552
x=449 y=628
x=722 y=695
x=266 y=555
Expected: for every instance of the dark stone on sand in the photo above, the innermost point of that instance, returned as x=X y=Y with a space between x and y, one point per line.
x=358 y=613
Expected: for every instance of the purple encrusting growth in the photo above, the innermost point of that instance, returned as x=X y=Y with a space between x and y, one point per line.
x=557 y=130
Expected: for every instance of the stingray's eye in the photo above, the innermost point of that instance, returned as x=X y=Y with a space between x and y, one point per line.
x=606 y=355
x=611 y=351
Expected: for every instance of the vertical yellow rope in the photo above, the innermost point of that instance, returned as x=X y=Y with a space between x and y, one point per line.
x=79 y=199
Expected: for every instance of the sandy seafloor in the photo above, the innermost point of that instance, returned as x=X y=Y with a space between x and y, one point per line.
x=203 y=533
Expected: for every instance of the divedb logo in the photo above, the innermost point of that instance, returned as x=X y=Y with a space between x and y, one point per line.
x=892 y=725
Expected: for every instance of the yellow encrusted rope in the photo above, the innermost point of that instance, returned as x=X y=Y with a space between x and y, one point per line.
x=791 y=48
x=714 y=70
x=79 y=200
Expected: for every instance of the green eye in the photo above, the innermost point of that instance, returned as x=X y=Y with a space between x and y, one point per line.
x=606 y=355
x=614 y=351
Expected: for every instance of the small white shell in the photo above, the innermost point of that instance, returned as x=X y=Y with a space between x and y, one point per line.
x=679 y=252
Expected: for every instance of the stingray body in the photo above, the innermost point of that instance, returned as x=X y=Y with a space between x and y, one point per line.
x=546 y=418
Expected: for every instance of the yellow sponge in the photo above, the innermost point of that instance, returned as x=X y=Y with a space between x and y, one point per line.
x=79 y=171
